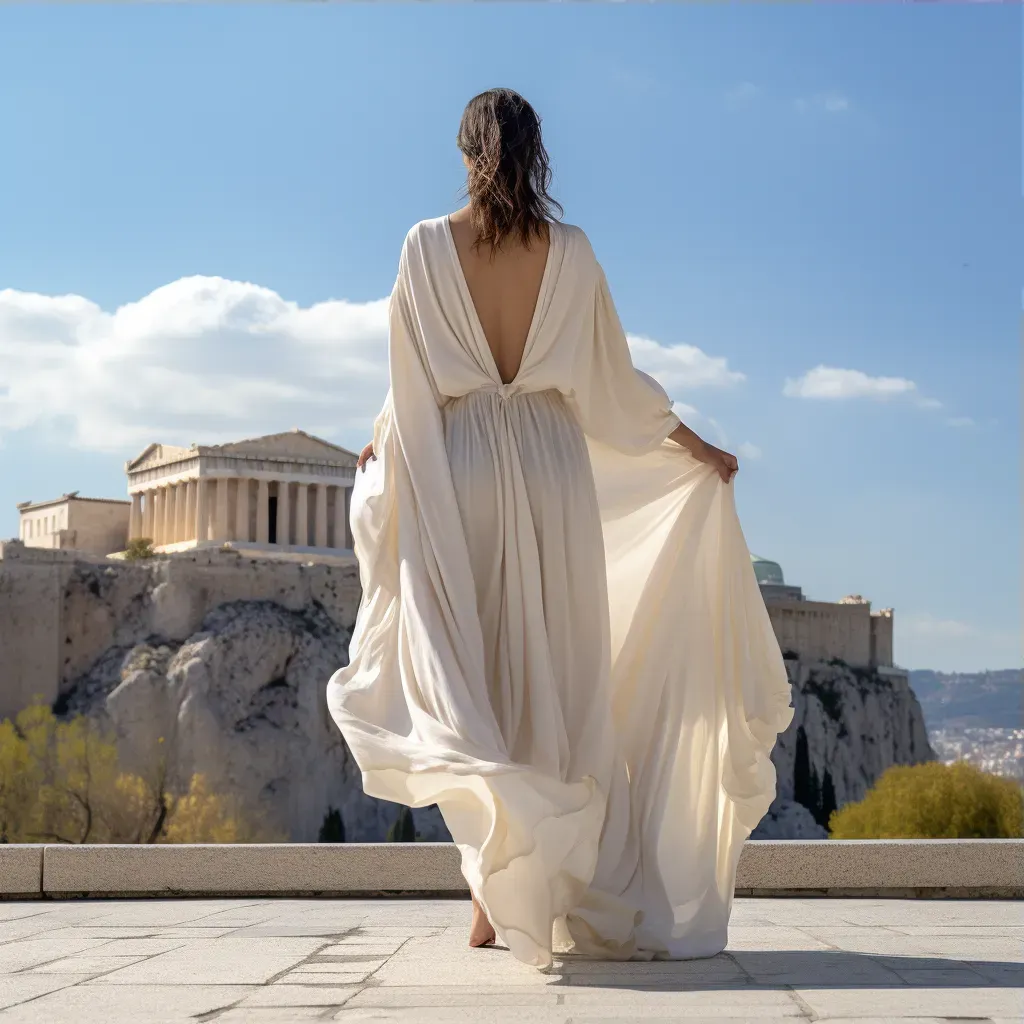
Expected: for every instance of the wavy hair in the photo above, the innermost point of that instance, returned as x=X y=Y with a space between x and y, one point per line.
x=509 y=173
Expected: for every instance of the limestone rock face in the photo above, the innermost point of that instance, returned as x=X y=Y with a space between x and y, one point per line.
x=849 y=725
x=242 y=700
x=787 y=819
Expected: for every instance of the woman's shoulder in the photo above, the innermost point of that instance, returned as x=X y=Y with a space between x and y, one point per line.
x=579 y=253
x=427 y=231
x=576 y=238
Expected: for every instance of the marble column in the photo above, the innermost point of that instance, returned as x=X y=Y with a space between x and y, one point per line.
x=189 y=526
x=320 y=516
x=135 y=517
x=158 y=515
x=263 y=512
x=302 y=515
x=242 y=510
x=147 y=514
x=170 y=511
x=202 y=510
x=181 y=529
x=220 y=520
x=283 y=513
x=340 y=518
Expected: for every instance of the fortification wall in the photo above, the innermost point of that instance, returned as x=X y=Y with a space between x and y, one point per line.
x=818 y=630
x=882 y=637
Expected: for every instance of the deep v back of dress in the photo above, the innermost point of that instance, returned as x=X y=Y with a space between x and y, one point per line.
x=504 y=293
x=561 y=641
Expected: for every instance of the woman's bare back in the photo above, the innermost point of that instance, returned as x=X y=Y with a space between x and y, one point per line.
x=504 y=288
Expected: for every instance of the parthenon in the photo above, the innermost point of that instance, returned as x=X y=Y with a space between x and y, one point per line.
x=289 y=490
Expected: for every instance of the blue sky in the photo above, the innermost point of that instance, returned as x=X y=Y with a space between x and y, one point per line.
x=811 y=213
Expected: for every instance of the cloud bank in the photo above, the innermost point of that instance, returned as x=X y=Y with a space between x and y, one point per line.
x=833 y=384
x=210 y=360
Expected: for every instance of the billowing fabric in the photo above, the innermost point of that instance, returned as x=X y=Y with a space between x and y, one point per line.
x=561 y=641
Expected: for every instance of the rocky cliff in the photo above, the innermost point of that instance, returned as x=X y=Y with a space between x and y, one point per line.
x=242 y=701
x=224 y=657
x=849 y=725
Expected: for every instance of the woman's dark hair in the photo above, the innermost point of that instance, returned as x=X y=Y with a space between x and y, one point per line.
x=509 y=172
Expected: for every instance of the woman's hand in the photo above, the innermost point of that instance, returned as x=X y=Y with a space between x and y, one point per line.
x=366 y=454
x=722 y=462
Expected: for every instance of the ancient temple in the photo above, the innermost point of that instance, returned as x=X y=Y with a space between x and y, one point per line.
x=281 y=492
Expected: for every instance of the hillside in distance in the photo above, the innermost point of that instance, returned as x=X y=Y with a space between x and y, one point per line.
x=962 y=700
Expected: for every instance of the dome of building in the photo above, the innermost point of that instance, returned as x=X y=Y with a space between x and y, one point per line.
x=767 y=571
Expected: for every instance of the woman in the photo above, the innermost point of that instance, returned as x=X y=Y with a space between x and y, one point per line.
x=561 y=641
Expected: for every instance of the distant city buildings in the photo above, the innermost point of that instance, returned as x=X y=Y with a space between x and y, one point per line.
x=999 y=751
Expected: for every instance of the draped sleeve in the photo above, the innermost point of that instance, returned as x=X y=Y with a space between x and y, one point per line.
x=615 y=402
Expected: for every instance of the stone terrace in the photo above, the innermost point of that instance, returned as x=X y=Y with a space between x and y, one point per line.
x=280 y=960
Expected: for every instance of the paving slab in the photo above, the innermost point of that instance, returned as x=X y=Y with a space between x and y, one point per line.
x=88 y=1003
x=290 y=959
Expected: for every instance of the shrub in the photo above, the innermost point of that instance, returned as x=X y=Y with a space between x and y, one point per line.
x=934 y=801
x=140 y=547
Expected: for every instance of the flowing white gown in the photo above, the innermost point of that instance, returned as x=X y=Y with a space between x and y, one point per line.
x=561 y=641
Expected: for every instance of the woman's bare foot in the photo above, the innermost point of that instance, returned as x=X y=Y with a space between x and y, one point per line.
x=480 y=931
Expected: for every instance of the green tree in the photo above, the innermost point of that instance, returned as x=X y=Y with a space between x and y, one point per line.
x=333 y=828
x=403 y=828
x=934 y=801
x=60 y=782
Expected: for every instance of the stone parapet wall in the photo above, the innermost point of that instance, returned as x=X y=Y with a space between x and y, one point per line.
x=975 y=868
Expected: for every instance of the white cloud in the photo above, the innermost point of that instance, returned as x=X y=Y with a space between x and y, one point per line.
x=202 y=358
x=961 y=421
x=686 y=412
x=681 y=367
x=749 y=451
x=695 y=420
x=833 y=383
x=824 y=102
x=210 y=360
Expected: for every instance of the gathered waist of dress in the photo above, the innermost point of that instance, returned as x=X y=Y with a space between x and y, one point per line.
x=506 y=392
x=511 y=403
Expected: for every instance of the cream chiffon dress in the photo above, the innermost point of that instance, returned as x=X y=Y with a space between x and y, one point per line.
x=561 y=641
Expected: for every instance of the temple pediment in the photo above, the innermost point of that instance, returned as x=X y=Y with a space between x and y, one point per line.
x=157 y=455
x=295 y=444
